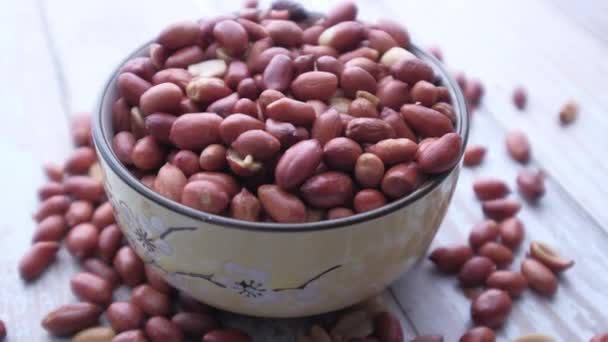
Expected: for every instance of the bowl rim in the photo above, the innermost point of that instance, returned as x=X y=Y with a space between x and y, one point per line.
x=103 y=145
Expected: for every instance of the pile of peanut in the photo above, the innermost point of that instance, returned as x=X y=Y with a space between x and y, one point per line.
x=74 y=212
x=277 y=116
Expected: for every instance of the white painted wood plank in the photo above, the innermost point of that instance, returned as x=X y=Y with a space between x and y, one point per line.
x=505 y=45
x=93 y=37
x=590 y=15
x=287 y=330
x=574 y=314
x=432 y=316
x=33 y=129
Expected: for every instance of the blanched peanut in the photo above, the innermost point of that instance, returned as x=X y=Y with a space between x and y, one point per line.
x=209 y=68
x=244 y=166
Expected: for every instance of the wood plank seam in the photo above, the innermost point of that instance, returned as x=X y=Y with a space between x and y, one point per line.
x=59 y=71
x=403 y=312
x=560 y=186
x=576 y=20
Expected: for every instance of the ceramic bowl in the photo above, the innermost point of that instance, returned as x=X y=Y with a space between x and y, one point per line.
x=269 y=269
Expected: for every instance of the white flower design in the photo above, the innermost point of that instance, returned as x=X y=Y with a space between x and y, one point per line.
x=146 y=232
x=251 y=284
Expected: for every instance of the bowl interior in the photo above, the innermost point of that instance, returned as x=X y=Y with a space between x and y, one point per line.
x=103 y=133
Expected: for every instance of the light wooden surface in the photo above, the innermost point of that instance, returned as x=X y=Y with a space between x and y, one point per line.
x=56 y=55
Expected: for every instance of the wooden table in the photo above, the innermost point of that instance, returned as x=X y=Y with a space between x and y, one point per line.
x=56 y=55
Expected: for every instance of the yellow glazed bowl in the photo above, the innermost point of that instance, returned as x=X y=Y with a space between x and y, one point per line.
x=269 y=269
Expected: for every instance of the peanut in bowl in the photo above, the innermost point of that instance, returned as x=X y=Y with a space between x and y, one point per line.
x=273 y=255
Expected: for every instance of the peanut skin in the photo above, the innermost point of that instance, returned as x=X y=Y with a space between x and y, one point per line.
x=282 y=206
